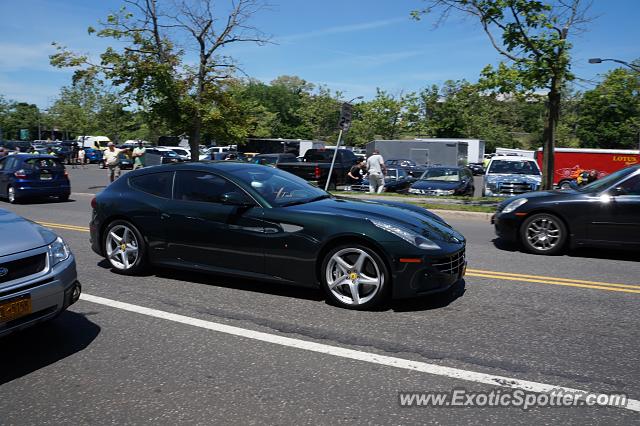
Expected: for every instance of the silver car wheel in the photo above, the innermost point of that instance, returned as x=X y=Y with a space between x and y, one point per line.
x=122 y=247
x=353 y=276
x=11 y=194
x=543 y=234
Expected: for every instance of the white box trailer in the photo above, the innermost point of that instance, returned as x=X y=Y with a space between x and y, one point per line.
x=475 y=147
x=514 y=151
x=423 y=152
x=96 y=142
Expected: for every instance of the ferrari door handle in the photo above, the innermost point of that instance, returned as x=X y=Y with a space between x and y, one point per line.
x=164 y=216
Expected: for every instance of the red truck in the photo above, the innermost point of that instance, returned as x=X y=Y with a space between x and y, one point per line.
x=571 y=162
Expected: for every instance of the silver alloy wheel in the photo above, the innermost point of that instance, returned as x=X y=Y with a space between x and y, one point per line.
x=565 y=185
x=122 y=247
x=353 y=276
x=543 y=234
x=11 y=194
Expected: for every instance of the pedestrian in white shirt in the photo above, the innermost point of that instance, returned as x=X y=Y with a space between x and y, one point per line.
x=376 y=170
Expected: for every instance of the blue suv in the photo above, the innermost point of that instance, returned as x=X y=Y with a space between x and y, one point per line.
x=30 y=176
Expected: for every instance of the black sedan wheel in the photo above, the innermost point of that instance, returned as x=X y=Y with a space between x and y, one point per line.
x=543 y=234
x=124 y=247
x=354 y=277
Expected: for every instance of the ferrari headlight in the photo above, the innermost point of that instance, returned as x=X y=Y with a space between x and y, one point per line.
x=514 y=205
x=407 y=235
x=59 y=251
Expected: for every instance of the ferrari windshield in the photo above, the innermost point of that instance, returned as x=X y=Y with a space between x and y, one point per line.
x=278 y=187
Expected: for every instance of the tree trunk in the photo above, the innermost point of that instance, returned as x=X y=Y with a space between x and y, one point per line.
x=194 y=138
x=548 y=169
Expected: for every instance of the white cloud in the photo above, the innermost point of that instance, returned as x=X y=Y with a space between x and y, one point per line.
x=342 y=29
x=16 y=57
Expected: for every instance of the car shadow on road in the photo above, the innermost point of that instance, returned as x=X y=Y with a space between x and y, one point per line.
x=246 y=284
x=36 y=201
x=433 y=301
x=34 y=348
x=582 y=252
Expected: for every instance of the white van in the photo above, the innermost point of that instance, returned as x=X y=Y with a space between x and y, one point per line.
x=96 y=142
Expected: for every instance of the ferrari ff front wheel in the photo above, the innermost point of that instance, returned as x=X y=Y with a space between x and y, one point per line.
x=354 y=277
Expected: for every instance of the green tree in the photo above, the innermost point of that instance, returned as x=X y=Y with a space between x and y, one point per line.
x=533 y=36
x=170 y=56
x=610 y=113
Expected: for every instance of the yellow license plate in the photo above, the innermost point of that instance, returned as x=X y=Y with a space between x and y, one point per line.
x=15 y=308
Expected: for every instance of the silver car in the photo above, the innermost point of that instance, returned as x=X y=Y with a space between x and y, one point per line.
x=38 y=278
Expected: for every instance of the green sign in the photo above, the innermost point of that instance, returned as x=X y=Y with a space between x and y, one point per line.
x=24 y=134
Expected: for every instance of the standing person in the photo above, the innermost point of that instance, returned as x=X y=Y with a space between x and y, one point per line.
x=376 y=169
x=82 y=157
x=112 y=160
x=138 y=156
x=356 y=172
x=75 y=152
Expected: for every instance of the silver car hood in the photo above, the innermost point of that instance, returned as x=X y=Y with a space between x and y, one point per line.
x=18 y=234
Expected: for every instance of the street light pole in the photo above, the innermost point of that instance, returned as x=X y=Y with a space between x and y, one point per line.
x=600 y=60
x=335 y=153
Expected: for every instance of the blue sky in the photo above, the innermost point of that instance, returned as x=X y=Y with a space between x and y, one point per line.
x=353 y=46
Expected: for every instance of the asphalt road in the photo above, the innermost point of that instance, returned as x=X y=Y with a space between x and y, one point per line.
x=572 y=321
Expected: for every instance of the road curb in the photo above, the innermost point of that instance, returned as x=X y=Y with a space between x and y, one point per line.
x=459 y=213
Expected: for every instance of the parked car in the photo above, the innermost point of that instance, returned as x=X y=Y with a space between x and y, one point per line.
x=510 y=175
x=93 y=156
x=316 y=163
x=156 y=156
x=603 y=213
x=476 y=168
x=184 y=153
x=411 y=167
x=395 y=180
x=248 y=220
x=444 y=181
x=274 y=159
x=30 y=176
x=38 y=278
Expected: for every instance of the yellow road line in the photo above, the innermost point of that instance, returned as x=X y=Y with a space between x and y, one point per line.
x=540 y=277
x=508 y=276
x=63 y=226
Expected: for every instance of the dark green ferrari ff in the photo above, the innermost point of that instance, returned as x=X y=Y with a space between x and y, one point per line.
x=255 y=221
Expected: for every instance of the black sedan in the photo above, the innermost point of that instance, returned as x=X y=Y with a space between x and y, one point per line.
x=247 y=220
x=444 y=181
x=410 y=167
x=603 y=213
x=395 y=180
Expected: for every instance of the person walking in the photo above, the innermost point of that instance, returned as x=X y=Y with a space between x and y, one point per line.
x=138 y=156
x=356 y=172
x=112 y=160
x=82 y=158
x=376 y=170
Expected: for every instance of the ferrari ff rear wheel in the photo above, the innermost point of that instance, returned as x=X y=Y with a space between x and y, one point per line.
x=124 y=247
x=354 y=277
x=543 y=233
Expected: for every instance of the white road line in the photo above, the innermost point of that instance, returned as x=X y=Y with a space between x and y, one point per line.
x=85 y=194
x=454 y=373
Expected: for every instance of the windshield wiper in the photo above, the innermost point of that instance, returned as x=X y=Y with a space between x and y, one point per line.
x=306 y=200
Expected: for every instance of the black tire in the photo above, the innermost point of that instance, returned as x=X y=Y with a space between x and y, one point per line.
x=565 y=184
x=339 y=295
x=537 y=240
x=140 y=263
x=63 y=198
